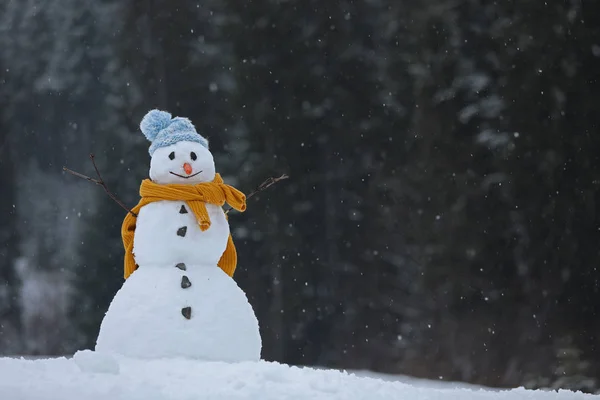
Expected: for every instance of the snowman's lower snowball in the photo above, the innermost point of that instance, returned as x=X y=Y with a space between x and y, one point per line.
x=145 y=319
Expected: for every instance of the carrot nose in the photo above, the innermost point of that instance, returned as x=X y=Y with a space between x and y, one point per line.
x=187 y=168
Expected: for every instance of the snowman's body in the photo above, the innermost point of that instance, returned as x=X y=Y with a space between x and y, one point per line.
x=146 y=319
x=167 y=234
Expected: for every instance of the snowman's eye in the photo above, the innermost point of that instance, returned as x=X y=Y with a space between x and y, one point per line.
x=193 y=156
x=172 y=155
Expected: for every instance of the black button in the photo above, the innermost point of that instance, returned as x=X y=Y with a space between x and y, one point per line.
x=183 y=210
x=182 y=231
x=181 y=266
x=185 y=282
x=186 y=312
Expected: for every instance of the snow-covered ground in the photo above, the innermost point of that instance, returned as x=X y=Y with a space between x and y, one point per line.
x=93 y=376
x=419 y=382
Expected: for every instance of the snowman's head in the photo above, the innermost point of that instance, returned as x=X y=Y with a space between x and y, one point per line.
x=182 y=163
x=179 y=154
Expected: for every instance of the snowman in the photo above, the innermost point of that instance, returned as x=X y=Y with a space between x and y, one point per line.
x=179 y=298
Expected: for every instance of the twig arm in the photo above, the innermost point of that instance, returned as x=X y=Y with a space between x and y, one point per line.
x=263 y=186
x=266 y=184
x=110 y=194
x=100 y=182
x=77 y=174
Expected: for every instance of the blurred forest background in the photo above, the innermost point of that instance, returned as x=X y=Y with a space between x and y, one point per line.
x=441 y=219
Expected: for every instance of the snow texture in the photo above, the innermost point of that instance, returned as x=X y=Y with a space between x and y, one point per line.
x=89 y=361
x=146 y=318
x=156 y=242
x=177 y=379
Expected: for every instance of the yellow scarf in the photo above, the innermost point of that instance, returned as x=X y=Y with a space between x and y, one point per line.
x=196 y=197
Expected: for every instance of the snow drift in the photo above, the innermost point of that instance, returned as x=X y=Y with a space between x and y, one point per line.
x=94 y=376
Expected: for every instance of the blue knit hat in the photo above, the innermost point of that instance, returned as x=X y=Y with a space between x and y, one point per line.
x=162 y=130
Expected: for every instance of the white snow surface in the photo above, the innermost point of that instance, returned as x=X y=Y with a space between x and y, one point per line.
x=144 y=319
x=124 y=378
x=156 y=243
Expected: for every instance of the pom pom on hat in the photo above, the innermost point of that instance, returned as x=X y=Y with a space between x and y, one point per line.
x=163 y=130
x=153 y=122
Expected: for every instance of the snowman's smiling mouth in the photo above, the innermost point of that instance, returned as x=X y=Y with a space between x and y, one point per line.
x=185 y=177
